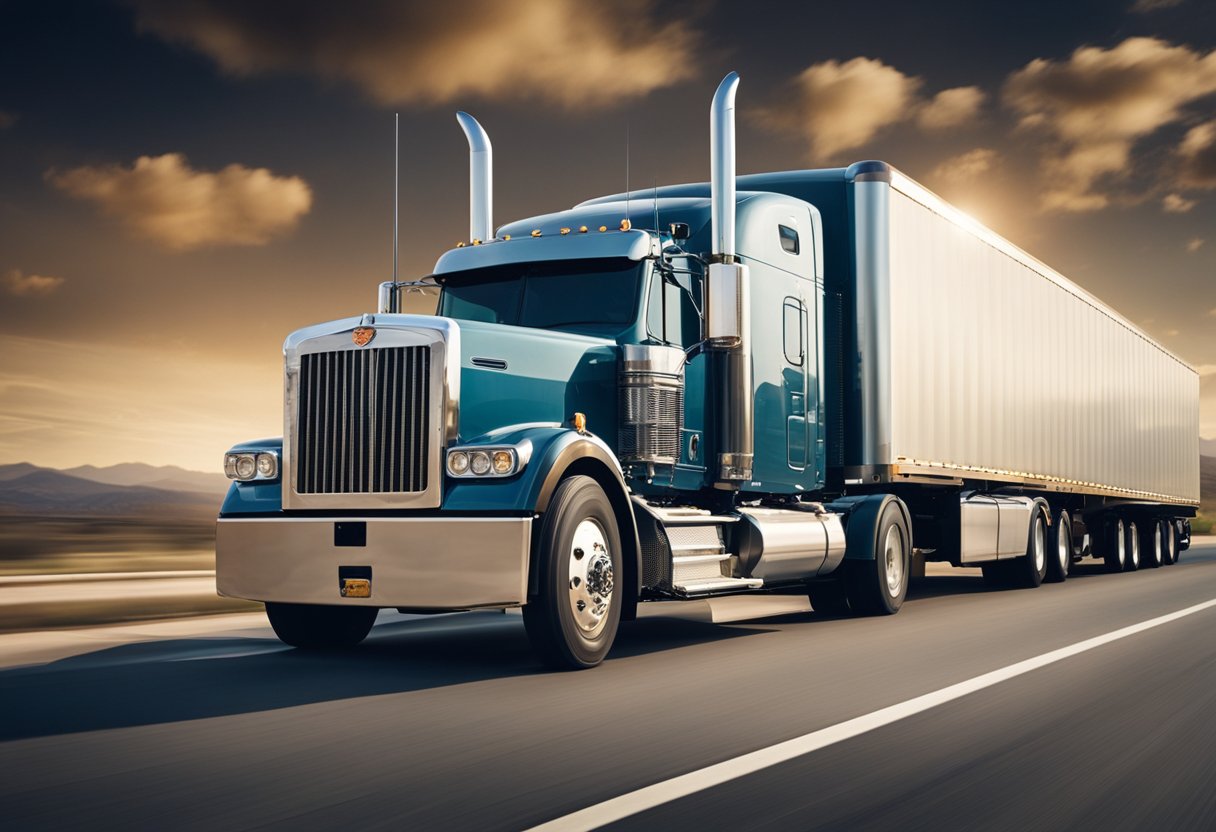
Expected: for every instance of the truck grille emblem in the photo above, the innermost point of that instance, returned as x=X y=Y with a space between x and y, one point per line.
x=363 y=335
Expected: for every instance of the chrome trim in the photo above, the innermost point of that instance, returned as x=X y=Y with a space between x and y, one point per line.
x=633 y=244
x=442 y=335
x=388 y=297
x=436 y=563
x=722 y=167
x=481 y=178
x=873 y=320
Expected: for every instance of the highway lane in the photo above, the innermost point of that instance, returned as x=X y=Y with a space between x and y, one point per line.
x=449 y=723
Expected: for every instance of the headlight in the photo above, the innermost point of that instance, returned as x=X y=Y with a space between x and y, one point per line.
x=245 y=466
x=478 y=462
x=458 y=463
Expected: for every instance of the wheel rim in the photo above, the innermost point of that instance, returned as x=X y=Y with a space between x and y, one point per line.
x=591 y=578
x=1158 y=556
x=1040 y=545
x=1135 y=545
x=1063 y=545
x=893 y=551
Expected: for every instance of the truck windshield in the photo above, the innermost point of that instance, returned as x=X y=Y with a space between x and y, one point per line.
x=597 y=295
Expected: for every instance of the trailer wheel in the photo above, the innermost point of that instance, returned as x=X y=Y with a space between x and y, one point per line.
x=1132 y=546
x=1152 y=545
x=1169 y=543
x=1114 y=545
x=878 y=586
x=1028 y=570
x=829 y=597
x=320 y=627
x=1060 y=561
x=573 y=621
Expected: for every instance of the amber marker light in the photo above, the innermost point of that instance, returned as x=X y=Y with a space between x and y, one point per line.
x=565 y=231
x=535 y=232
x=626 y=225
x=603 y=228
x=580 y=422
x=582 y=229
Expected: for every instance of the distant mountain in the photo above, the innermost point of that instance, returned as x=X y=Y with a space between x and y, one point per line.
x=47 y=491
x=1207 y=447
x=169 y=477
x=20 y=469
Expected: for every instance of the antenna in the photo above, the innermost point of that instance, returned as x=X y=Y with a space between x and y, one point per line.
x=656 y=206
x=396 y=180
x=626 y=167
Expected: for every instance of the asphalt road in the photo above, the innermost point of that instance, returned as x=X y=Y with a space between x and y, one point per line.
x=449 y=723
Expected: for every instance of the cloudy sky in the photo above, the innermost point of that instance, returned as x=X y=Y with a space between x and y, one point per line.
x=183 y=182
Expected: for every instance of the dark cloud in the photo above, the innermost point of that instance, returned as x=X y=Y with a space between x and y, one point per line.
x=575 y=54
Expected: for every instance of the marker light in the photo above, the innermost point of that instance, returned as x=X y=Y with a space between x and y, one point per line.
x=502 y=462
x=626 y=225
x=565 y=231
x=535 y=232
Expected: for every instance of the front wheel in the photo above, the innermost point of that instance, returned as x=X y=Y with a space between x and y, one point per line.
x=572 y=622
x=320 y=627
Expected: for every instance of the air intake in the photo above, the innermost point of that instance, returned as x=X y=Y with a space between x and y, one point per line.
x=651 y=404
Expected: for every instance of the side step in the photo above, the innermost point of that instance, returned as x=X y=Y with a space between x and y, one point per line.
x=700 y=562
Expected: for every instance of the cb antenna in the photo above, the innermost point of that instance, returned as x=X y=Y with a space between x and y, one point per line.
x=626 y=168
x=396 y=180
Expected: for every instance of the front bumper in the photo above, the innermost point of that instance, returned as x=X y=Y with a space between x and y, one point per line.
x=416 y=562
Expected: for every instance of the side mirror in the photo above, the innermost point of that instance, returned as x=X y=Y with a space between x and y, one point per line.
x=680 y=231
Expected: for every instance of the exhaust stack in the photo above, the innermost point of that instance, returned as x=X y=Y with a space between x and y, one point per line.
x=722 y=168
x=727 y=303
x=481 y=185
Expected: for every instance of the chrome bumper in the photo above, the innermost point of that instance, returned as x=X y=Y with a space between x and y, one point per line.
x=420 y=563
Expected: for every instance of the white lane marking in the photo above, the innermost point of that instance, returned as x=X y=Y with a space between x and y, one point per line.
x=618 y=808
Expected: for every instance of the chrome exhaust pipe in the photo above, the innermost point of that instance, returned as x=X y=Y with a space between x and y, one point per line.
x=481 y=184
x=728 y=303
x=722 y=168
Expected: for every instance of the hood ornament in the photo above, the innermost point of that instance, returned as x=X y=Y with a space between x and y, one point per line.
x=363 y=335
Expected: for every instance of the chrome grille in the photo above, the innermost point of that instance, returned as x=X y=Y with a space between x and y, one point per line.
x=362 y=423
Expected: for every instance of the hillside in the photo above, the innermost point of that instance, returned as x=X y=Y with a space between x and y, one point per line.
x=1207 y=485
x=166 y=477
x=48 y=492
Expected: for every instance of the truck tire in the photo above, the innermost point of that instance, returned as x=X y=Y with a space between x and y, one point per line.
x=1114 y=545
x=829 y=597
x=1132 y=546
x=1029 y=570
x=1169 y=542
x=1152 y=545
x=878 y=585
x=573 y=620
x=1059 y=560
x=318 y=626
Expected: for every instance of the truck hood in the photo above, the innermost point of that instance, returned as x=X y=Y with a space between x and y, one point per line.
x=512 y=375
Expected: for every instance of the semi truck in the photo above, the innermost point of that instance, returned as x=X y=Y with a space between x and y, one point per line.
x=806 y=381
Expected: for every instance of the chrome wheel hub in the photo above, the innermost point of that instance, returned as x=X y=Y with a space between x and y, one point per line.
x=1063 y=544
x=591 y=578
x=893 y=551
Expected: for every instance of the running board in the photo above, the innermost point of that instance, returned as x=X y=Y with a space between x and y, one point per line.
x=701 y=587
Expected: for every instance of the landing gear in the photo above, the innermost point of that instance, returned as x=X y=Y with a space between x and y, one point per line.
x=320 y=627
x=572 y=622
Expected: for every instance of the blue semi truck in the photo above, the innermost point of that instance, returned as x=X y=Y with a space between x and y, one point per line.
x=804 y=381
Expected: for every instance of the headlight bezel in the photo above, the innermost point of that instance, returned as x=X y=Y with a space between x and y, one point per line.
x=237 y=460
x=475 y=456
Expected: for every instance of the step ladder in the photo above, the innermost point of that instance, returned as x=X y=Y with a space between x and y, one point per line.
x=700 y=562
